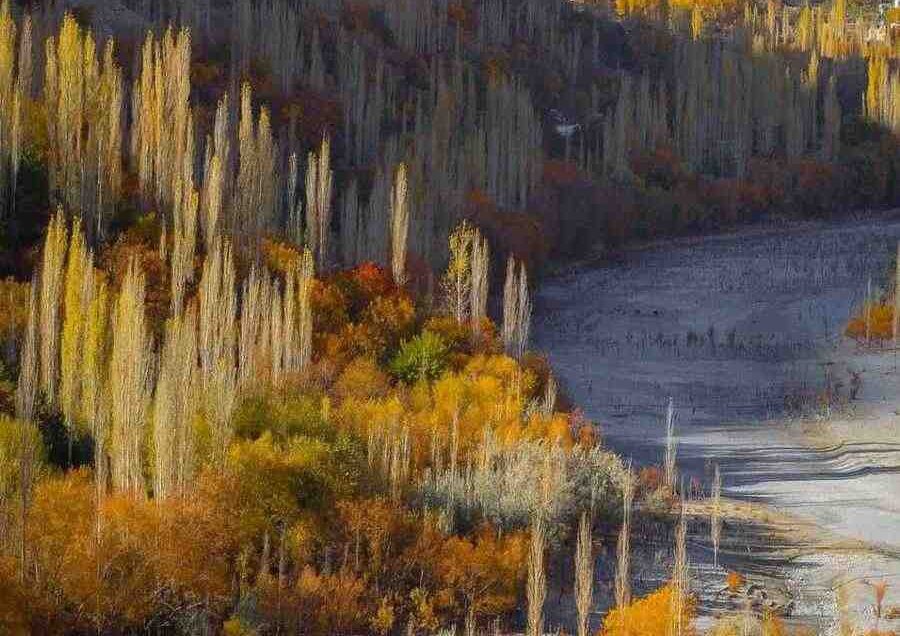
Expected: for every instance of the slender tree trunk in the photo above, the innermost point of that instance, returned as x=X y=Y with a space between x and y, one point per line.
x=584 y=574
x=537 y=582
x=623 y=547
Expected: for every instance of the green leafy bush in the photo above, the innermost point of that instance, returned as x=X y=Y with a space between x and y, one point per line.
x=423 y=357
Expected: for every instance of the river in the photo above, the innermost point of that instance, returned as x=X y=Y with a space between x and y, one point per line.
x=744 y=331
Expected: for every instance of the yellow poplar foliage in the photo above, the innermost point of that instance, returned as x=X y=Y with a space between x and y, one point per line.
x=52 y=275
x=77 y=301
x=647 y=616
x=709 y=8
x=83 y=101
x=490 y=391
x=94 y=352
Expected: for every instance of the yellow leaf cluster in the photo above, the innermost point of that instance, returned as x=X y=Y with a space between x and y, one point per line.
x=651 y=615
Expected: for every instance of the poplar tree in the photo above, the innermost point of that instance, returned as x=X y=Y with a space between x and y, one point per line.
x=623 y=545
x=696 y=22
x=480 y=277
x=584 y=574
x=510 y=306
x=458 y=277
x=548 y=407
x=20 y=460
x=78 y=294
x=107 y=141
x=175 y=407
x=11 y=96
x=216 y=176
x=294 y=203
x=805 y=28
x=523 y=321
x=399 y=226
x=318 y=203
x=131 y=383
x=52 y=277
x=162 y=132
x=7 y=67
x=217 y=341
x=25 y=70
x=516 y=310
x=27 y=386
x=84 y=104
x=255 y=301
x=276 y=337
x=537 y=582
x=680 y=578
x=304 y=310
x=21 y=95
x=839 y=18
x=254 y=193
x=184 y=239
x=290 y=346
x=95 y=396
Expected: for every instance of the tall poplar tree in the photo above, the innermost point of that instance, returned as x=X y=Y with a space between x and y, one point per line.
x=131 y=383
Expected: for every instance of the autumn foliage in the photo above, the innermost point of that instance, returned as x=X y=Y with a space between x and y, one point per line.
x=354 y=434
x=734 y=581
x=874 y=321
x=648 y=616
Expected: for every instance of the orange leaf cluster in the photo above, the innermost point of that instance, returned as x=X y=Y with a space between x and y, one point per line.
x=651 y=615
x=880 y=319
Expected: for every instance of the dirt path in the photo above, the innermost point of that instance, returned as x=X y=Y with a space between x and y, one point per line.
x=734 y=328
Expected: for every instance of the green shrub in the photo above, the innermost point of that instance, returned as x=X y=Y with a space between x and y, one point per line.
x=423 y=357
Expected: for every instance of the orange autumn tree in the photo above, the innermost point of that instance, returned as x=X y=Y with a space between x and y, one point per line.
x=483 y=574
x=648 y=616
x=88 y=576
x=880 y=319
